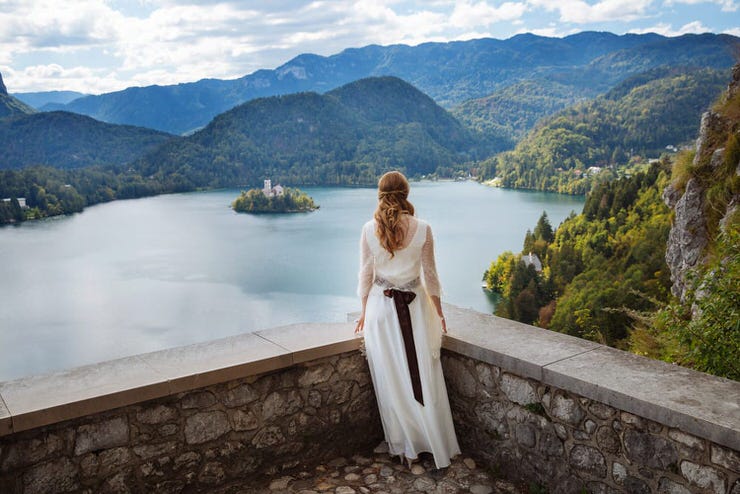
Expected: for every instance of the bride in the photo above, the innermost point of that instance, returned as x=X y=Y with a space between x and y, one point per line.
x=402 y=320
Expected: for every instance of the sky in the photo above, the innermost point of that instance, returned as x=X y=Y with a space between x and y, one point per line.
x=97 y=46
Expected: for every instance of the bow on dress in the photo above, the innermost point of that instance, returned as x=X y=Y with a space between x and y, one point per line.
x=402 y=300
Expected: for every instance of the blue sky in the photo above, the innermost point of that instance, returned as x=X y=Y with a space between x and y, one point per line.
x=96 y=46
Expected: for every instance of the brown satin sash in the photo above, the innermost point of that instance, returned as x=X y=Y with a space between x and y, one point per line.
x=402 y=300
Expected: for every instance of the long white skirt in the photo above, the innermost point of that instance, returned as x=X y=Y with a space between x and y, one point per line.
x=410 y=427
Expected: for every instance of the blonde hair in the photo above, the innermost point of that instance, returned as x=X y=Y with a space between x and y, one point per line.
x=393 y=192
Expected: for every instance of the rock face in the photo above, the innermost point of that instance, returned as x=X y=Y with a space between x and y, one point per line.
x=689 y=237
x=3 y=89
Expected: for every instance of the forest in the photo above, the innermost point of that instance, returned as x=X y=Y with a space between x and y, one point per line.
x=52 y=191
x=632 y=122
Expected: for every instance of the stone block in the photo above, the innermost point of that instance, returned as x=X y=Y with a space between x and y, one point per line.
x=459 y=378
x=198 y=399
x=241 y=395
x=590 y=426
x=667 y=486
x=59 y=475
x=314 y=399
x=726 y=458
x=167 y=430
x=148 y=451
x=518 y=390
x=156 y=415
x=619 y=473
x=550 y=445
x=633 y=485
x=315 y=374
x=212 y=473
x=102 y=435
x=703 y=476
x=588 y=459
x=27 y=452
x=244 y=421
x=280 y=403
x=686 y=439
x=566 y=409
x=206 y=426
x=268 y=436
x=601 y=411
x=607 y=440
x=340 y=392
x=601 y=488
x=561 y=431
x=117 y=484
x=525 y=435
x=112 y=460
x=488 y=375
x=650 y=450
x=186 y=460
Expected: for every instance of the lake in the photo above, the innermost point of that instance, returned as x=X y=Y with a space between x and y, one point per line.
x=141 y=275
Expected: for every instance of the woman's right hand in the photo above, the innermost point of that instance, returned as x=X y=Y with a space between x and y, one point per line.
x=360 y=324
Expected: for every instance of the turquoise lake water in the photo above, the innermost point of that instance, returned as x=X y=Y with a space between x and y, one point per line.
x=136 y=276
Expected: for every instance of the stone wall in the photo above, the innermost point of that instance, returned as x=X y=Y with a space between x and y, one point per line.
x=563 y=414
x=565 y=443
x=205 y=438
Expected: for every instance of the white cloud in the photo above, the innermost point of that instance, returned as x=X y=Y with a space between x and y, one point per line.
x=468 y=14
x=695 y=27
x=42 y=77
x=735 y=31
x=726 y=5
x=112 y=44
x=581 y=12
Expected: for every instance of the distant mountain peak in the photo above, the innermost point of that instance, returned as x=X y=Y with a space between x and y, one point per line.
x=3 y=89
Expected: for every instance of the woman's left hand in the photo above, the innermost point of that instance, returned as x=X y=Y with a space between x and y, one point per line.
x=444 y=326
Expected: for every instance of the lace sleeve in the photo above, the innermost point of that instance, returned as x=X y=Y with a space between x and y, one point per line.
x=429 y=266
x=366 y=274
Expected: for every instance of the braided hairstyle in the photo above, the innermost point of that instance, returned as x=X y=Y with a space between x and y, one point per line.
x=393 y=191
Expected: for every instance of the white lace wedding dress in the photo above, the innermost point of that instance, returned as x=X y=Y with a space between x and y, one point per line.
x=410 y=427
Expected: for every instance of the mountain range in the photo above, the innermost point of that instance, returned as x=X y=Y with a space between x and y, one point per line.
x=40 y=100
x=347 y=135
x=68 y=140
x=587 y=63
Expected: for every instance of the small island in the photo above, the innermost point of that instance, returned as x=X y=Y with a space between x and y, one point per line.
x=276 y=199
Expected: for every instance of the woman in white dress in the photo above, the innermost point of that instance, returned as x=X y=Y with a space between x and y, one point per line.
x=403 y=322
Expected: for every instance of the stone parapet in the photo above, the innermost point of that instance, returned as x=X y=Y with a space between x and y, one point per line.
x=531 y=404
x=572 y=416
x=191 y=419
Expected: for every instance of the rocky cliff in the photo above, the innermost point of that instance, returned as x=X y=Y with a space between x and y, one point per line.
x=705 y=196
x=9 y=105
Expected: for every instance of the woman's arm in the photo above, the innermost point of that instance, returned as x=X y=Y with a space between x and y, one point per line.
x=365 y=278
x=431 y=280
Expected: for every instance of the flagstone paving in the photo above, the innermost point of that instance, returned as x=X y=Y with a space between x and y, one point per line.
x=379 y=473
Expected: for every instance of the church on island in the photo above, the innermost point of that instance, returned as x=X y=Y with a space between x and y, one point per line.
x=271 y=191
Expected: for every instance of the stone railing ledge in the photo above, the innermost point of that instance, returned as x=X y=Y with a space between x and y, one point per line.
x=695 y=402
x=46 y=399
x=516 y=347
x=311 y=341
